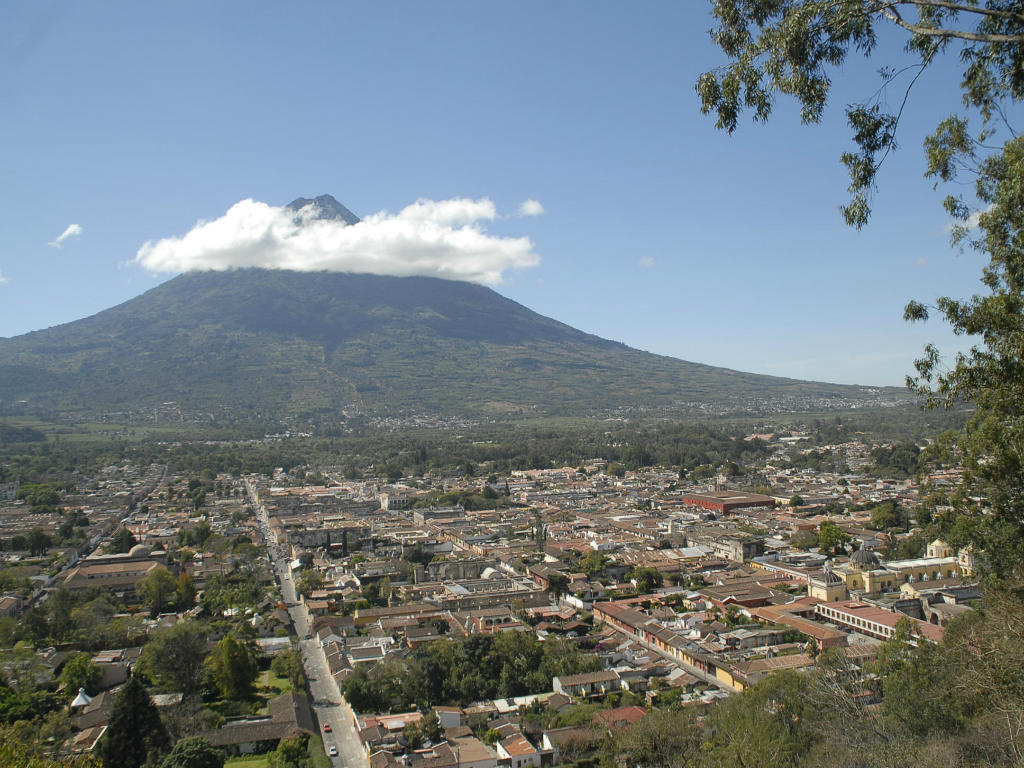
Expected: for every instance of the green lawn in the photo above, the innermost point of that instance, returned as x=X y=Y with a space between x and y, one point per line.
x=248 y=761
x=268 y=678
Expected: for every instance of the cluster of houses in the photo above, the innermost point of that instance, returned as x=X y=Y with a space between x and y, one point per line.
x=685 y=592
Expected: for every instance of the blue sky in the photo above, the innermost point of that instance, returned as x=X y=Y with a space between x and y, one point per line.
x=136 y=120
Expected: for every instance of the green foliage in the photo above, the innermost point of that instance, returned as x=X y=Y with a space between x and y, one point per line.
x=122 y=541
x=831 y=537
x=288 y=664
x=906 y=548
x=14 y=753
x=194 y=752
x=558 y=585
x=135 y=734
x=898 y=461
x=237 y=589
x=593 y=562
x=184 y=591
x=79 y=671
x=20 y=703
x=156 y=589
x=789 y=47
x=39 y=495
x=479 y=667
x=233 y=667
x=290 y=753
x=195 y=536
x=888 y=514
x=9 y=435
x=804 y=540
x=647 y=579
x=308 y=581
x=38 y=542
x=173 y=658
x=990 y=374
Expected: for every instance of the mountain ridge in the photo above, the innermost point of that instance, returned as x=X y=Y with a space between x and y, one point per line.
x=280 y=345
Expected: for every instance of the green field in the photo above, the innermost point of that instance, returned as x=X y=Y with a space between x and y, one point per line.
x=248 y=761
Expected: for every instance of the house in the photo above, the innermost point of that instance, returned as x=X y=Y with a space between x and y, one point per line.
x=518 y=751
x=289 y=715
x=448 y=717
x=587 y=684
x=619 y=718
x=470 y=752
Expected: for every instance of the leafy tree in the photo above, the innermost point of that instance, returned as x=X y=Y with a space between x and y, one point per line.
x=38 y=542
x=804 y=540
x=646 y=579
x=831 y=536
x=662 y=739
x=174 y=657
x=80 y=671
x=558 y=585
x=290 y=753
x=184 y=591
x=22 y=667
x=789 y=46
x=413 y=736
x=886 y=515
x=592 y=562
x=233 y=668
x=122 y=541
x=135 y=734
x=308 y=581
x=989 y=375
x=156 y=589
x=430 y=725
x=59 y=610
x=194 y=752
x=288 y=664
x=17 y=754
x=796 y=501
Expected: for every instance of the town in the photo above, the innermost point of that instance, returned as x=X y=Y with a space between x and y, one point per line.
x=460 y=617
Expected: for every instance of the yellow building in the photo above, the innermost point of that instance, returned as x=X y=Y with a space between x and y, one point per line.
x=829 y=587
x=866 y=574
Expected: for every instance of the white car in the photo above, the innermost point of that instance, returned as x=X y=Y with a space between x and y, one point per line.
x=332 y=751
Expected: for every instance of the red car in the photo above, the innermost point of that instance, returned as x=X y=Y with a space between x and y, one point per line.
x=327 y=727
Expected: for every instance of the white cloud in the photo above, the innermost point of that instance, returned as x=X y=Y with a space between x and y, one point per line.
x=530 y=207
x=3 y=279
x=443 y=238
x=646 y=261
x=971 y=223
x=73 y=230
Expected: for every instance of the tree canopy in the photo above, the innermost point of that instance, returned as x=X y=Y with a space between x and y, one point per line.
x=135 y=734
x=790 y=47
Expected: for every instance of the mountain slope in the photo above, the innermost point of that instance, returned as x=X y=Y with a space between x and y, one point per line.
x=269 y=344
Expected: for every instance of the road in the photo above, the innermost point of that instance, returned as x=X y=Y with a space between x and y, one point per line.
x=329 y=706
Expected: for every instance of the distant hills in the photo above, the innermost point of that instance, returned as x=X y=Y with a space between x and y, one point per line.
x=295 y=347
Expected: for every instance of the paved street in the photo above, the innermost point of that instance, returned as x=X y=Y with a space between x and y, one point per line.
x=328 y=704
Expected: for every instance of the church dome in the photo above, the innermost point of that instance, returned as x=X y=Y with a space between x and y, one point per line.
x=864 y=559
x=830 y=577
x=139 y=550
